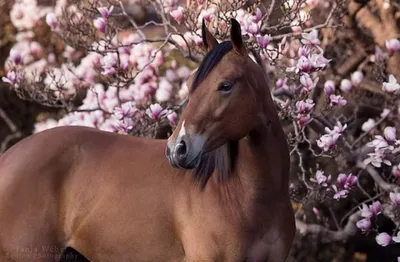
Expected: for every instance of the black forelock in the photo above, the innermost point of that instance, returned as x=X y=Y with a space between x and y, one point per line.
x=210 y=61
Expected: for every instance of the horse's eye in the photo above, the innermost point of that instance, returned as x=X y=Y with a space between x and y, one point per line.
x=225 y=87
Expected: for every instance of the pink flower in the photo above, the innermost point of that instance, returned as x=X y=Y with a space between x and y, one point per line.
x=316 y=212
x=338 y=129
x=105 y=12
x=258 y=15
x=302 y=65
x=252 y=28
x=356 y=78
x=172 y=118
x=345 y=85
x=156 y=111
x=368 y=125
x=377 y=158
x=311 y=38
x=342 y=193
x=318 y=60
x=329 y=87
x=126 y=110
x=11 y=78
x=327 y=142
x=264 y=41
x=346 y=181
x=302 y=120
x=303 y=51
x=321 y=179
x=383 y=239
x=304 y=106
x=396 y=171
x=281 y=83
x=177 y=14
x=395 y=197
x=100 y=24
x=364 y=224
x=51 y=20
x=337 y=100
x=307 y=82
x=16 y=57
x=390 y=134
x=397 y=238
x=372 y=210
x=392 y=85
x=393 y=45
x=35 y=48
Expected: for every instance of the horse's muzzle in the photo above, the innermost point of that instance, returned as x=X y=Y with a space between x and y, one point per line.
x=184 y=153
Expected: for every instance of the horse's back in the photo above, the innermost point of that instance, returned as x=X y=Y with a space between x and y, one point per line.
x=75 y=186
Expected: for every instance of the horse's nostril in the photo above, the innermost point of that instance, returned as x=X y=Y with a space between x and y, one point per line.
x=181 y=149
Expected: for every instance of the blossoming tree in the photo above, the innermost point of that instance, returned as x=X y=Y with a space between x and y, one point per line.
x=121 y=66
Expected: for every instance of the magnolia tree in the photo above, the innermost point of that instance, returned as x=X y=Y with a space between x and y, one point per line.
x=121 y=66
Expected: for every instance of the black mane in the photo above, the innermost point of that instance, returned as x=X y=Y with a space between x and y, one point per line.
x=222 y=159
x=210 y=61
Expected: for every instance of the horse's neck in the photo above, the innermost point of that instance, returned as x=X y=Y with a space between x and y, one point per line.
x=263 y=160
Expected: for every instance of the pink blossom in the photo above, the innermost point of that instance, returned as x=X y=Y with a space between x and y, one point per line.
x=177 y=14
x=337 y=100
x=372 y=210
x=172 y=118
x=281 y=83
x=368 y=125
x=392 y=85
x=390 y=134
x=327 y=142
x=11 y=78
x=100 y=24
x=340 y=193
x=356 y=78
x=105 y=12
x=393 y=45
x=321 y=179
x=302 y=119
x=329 y=87
x=51 y=20
x=126 y=110
x=303 y=64
x=396 y=171
x=345 y=85
x=312 y=3
x=364 y=224
x=397 y=238
x=35 y=48
x=395 y=197
x=377 y=158
x=337 y=129
x=258 y=15
x=264 y=41
x=307 y=82
x=303 y=51
x=304 y=106
x=310 y=38
x=252 y=28
x=16 y=56
x=346 y=181
x=383 y=239
x=155 y=111
x=318 y=60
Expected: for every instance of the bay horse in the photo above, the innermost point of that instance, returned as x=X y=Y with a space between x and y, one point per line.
x=216 y=190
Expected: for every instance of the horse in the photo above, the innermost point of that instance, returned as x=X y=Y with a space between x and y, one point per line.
x=215 y=190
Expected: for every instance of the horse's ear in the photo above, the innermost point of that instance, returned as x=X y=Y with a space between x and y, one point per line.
x=209 y=40
x=236 y=37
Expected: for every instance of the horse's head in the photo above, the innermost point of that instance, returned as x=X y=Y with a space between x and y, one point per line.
x=222 y=104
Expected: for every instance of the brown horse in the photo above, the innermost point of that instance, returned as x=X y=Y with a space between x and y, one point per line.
x=119 y=198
